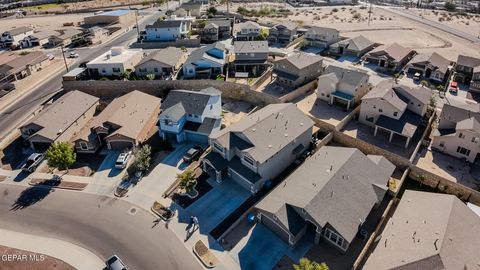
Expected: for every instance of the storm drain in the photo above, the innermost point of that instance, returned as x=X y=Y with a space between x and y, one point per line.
x=132 y=211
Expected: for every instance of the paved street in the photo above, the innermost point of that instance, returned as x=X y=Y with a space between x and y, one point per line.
x=11 y=116
x=103 y=225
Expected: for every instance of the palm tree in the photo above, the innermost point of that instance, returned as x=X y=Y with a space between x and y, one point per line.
x=187 y=180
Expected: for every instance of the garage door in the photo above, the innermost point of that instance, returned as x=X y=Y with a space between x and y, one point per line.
x=237 y=178
x=414 y=70
x=275 y=228
x=121 y=145
x=192 y=137
x=41 y=146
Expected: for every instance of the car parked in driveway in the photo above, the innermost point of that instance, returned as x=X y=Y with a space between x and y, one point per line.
x=416 y=76
x=122 y=160
x=32 y=162
x=114 y=263
x=453 y=88
x=193 y=154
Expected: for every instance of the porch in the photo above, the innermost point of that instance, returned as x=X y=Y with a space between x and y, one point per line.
x=349 y=99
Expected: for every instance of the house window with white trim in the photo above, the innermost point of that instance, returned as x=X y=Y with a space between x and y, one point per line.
x=463 y=151
x=335 y=238
x=461 y=135
x=249 y=160
x=475 y=139
x=218 y=147
x=83 y=145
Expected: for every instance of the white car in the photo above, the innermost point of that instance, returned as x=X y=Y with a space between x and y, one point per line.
x=416 y=76
x=114 y=263
x=122 y=160
x=73 y=55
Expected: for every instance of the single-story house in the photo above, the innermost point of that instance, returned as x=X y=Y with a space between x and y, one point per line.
x=391 y=57
x=431 y=66
x=162 y=63
x=356 y=46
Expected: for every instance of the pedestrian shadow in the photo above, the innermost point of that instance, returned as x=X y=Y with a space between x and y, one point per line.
x=20 y=177
x=33 y=195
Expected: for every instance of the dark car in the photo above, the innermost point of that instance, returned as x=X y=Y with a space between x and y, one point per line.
x=193 y=154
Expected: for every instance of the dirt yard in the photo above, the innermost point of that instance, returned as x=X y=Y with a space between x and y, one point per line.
x=43 y=261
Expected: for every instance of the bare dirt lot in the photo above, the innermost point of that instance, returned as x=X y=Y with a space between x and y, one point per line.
x=30 y=264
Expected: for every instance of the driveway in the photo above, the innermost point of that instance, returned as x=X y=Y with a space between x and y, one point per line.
x=262 y=249
x=107 y=177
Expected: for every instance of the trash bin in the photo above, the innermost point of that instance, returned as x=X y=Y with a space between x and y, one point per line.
x=251 y=218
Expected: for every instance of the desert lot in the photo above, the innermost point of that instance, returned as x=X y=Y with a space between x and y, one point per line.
x=385 y=26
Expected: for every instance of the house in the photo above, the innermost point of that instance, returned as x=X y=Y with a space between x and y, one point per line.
x=458 y=131
x=167 y=30
x=468 y=71
x=251 y=57
x=321 y=37
x=189 y=9
x=97 y=35
x=428 y=231
x=356 y=46
x=395 y=109
x=66 y=37
x=343 y=85
x=390 y=57
x=162 y=63
x=125 y=123
x=298 y=69
x=248 y=31
x=342 y=2
x=24 y=65
x=216 y=29
x=332 y=193
x=40 y=38
x=115 y=62
x=205 y=62
x=283 y=33
x=431 y=66
x=119 y=16
x=60 y=121
x=259 y=146
x=191 y=115
x=14 y=36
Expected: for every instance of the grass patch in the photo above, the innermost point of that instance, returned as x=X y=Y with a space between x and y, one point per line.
x=43 y=7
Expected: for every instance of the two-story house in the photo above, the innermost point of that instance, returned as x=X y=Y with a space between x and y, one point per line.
x=298 y=69
x=458 y=131
x=468 y=71
x=395 y=109
x=125 y=123
x=205 y=62
x=342 y=85
x=260 y=146
x=167 y=30
x=210 y=33
x=390 y=57
x=190 y=115
x=321 y=37
x=14 y=36
x=216 y=29
x=356 y=46
x=60 y=121
x=162 y=63
x=251 y=57
x=115 y=62
x=283 y=33
x=248 y=31
x=331 y=194
x=431 y=66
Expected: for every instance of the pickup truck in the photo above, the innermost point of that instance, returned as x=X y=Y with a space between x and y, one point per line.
x=32 y=162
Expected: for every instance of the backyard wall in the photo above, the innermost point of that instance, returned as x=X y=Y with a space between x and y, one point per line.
x=302 y=90
x=159 y=45
x=267 y=75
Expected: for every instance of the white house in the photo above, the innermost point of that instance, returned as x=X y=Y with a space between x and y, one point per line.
x=191 y=115
x=167 y=30
x=115 y=61
x=205 y=62
x=14 y=36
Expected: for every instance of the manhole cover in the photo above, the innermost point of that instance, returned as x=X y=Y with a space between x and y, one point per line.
x=133 y=211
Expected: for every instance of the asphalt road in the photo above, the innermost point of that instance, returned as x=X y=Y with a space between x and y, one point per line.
x=11 y=116
x=100 y=224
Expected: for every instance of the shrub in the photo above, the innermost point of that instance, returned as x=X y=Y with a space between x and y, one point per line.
x=60 y=155
x=187 y=180
x=143 y=158
x=335 y=10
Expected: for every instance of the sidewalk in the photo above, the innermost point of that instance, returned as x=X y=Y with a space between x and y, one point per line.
x=74 y=255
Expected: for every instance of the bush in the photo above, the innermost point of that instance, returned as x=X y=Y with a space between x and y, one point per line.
x=187 y=180
x=60 y=155
x=335 y=10
x=143 y=158
x=450 y=6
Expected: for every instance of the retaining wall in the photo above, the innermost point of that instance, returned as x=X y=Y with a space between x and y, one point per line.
x=302 y=90
x=164 y=44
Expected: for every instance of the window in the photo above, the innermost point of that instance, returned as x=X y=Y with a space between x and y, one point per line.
x=461 y=135
x=380 y=110
x=168 y=122
x=142 y=69
x=155 y=69
x=218 y=147
x=441 y=144
x=395 y=114
x=249 y=160
x=335 y=239
x=116 y=69
x=83 y=146
x=374 y=106
x=475 y=139
x=463 y=151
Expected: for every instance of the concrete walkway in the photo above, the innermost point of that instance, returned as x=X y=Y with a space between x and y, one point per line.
x=74 y=255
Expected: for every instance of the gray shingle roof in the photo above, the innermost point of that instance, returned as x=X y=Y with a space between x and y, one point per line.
x=454 y=113
x=346 y=75
x=220 y=22
x=420 y=94
x=406 y=125
x=434 y=59
x=395 y=51
x=169 y=56
x=19 y=30
x=268 y=130
x=428 y=231
x=468 y=61
x=320 y=30
x=301 y=59
x=202 y=53
x=288 y=25
x=358 y=43
x=336 y=186
x=165 y=24
x=181 y=102
x=260 y=46
x=384 y=90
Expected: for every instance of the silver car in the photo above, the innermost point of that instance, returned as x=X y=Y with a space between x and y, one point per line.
x=122 y=160
x=114 y=263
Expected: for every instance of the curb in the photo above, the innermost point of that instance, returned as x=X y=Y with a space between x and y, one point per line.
x=58 y=187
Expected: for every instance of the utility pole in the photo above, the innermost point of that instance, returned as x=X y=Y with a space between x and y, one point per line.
x=369 y=12
x=64 y=59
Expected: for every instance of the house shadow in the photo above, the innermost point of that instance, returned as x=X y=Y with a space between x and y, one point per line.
x=114 y=172
x=33 y=195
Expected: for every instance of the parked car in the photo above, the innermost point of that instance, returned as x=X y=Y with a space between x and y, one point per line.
x=416 y=76
x=32 y=162
x=122 y=160
x=453 y=87
x=114 y=263
x=73 y=55
x=193 y=154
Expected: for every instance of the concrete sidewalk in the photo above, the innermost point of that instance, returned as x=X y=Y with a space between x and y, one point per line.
x=74 y=255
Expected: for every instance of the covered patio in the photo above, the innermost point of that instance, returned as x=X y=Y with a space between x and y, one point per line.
x=406 y=126
x=214 y=162
x=349 y=99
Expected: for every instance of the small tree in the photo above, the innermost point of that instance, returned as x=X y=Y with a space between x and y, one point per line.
x=183 y=48
x=125 y=74
x=450 y=6
x=143 y=158
x=187 y=180
x=60 y=155
x=150 y=76
x=306 y=264
x=432 y=102
x=424 y=83
x=212 y=11
x=441 y=88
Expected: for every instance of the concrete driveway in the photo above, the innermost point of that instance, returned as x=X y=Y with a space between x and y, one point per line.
x=263 y=243
x=107 y=177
